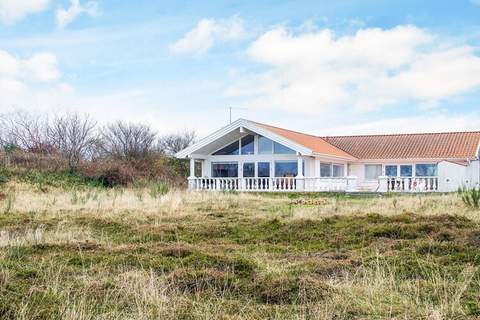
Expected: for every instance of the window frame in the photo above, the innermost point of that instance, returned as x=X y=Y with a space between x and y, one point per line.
x=331 y=173
x=243 y=169
x=241 y=145
x=372 y=164
x=223 y=162
x=284 y=161
x=269 y=169
x=428 y=164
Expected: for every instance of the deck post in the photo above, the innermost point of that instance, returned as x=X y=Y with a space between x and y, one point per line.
x=383 y=184
x=300 y=179
x=351 y=184
x=191 y=178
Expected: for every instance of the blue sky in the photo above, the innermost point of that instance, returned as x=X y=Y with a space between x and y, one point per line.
x=326 y=67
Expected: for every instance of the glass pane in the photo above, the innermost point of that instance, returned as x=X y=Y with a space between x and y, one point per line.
x=281 y=149
x=391 y=171
x=265 y=145
x=325 y=170
x=286 y=168
x=224 y=170
x=247 y=145
x=426 y=170
x=406 y=171
x=373 y=171
x=338 y=170
x=231 y=149
x=264 y=169
x=249 y=169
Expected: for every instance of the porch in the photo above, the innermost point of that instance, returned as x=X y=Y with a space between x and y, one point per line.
x=313 y=184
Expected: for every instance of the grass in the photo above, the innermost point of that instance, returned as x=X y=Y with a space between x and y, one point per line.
x=145 y=253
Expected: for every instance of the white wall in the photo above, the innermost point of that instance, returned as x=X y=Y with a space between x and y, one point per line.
x=473 y=173
x=451 y=176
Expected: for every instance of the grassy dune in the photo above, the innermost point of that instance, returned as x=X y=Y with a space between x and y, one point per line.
x=136 y=254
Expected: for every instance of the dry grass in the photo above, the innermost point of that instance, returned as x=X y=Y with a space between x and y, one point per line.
x=127 y=254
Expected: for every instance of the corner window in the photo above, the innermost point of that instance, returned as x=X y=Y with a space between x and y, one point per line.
x=249 y=170
x=224 y=169
x=265 y=145
x=406 y=171
x=426 y=170
x=286 y=168
x=231 y=149
x=247 y=145
x=325 y=170
x=263 y=169
x=373 y=171
x=281 y=149
x=391 y=171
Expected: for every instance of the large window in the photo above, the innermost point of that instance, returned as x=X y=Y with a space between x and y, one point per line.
x=286 y=168
x=247 y=145
x=249 y=169
x=263 y=169
x=391 y=171
x=426 y=170
x=325 y=170
x=281 y=149
x=406 y=171
x=332 y=170
x=338 y=170
x=373 y=171
x=231 y=149
x=224 y=169
x=265 y=145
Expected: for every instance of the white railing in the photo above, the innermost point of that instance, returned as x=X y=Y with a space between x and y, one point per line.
x=411 y=184
x=288 y=184
x=325 y=184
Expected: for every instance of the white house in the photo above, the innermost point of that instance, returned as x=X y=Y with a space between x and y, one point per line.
x=251 y=156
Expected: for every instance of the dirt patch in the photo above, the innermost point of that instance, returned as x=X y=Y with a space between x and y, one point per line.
x=308 y=202
x=176 y=250
x=194 y=281
x=285 y=289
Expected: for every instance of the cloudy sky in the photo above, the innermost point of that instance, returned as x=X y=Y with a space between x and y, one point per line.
x=325 y=67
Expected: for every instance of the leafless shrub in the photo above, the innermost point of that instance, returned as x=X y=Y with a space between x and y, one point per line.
x=25 y=131
x=127 y=141
x=173 y=143
x=74 y=136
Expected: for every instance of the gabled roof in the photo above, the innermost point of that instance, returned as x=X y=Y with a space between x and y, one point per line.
x=451 y=145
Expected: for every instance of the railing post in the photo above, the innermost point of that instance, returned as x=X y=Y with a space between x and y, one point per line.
x=383 y=184
x=351 y=184
x=299 y=179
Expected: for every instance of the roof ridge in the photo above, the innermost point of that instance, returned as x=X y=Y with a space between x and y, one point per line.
x=399 y=134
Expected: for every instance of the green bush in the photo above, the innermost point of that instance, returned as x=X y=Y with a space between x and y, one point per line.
x=158 y=189
x=3 y=178
x=471 y=197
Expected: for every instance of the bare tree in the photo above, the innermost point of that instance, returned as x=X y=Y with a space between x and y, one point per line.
x=73 y=135
x=25 y=131
x=173 y=143
x=127 y=141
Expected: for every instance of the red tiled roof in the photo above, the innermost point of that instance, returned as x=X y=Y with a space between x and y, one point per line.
x=450 y=145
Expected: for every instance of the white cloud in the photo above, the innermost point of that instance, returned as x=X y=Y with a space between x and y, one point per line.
x=477 y=2
x=31 y=83
x=315 y=71
x=12 y=11
x=66 y=16
x=206 y=33
x=441 y=122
